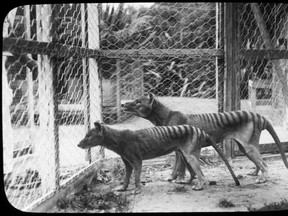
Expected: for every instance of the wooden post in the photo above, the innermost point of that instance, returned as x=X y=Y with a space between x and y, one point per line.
x=94 y=81
x=118 y=89
x=55 y=10
x=219 y=61
x=231 y=73
x=85 y=68
x=86 y=95
x=252 y=95
x=47 y=148
x=29 y=77
x=283 y=33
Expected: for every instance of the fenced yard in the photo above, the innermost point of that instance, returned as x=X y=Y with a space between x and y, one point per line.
x=66 y=66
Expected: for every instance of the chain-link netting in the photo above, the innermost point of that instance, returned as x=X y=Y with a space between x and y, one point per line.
x=47 y=98
x=263 y=37
x=57 y=58
x=168 y=49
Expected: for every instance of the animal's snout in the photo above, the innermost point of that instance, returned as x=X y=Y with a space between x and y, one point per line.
x=80 y=145
x=126 y=106
x=126 y=103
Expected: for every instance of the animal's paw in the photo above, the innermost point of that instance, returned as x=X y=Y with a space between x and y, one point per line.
x=253 y=173
x=170 y=179
x=120 y=188
x=180 y=180
x=197 y=187
x=177 y=181
x=137 y=190
x=261 y=180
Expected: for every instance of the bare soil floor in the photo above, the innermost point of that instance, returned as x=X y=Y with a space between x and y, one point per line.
x=160 y=195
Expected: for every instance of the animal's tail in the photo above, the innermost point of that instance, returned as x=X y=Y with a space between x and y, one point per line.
x=271 y=130
x=211 y=141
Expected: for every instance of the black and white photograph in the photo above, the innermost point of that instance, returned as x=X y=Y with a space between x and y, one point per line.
x=145 y=107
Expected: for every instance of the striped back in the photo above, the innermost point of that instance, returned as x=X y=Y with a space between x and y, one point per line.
x=233 y=118
x=169 y=133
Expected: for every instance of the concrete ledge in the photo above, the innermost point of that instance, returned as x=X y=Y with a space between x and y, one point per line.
x=267 y=148
x=169 y=159
x=266 y=157
x=72 y=185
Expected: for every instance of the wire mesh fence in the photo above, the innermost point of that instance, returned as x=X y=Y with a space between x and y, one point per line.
x=48 y=98
x=263 y=83
x=168 y=49
x=68 y=65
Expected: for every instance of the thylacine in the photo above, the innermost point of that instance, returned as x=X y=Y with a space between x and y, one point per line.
x=244 y=127
x=136 y=146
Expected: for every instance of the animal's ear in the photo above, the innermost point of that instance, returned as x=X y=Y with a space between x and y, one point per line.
x=98 y=126
x=151 y=98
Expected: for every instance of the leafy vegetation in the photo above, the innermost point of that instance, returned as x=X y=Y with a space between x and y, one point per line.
x=225 y=203
x=98 y=197
x=85 y=201
x=275 y=206
x=162 y=26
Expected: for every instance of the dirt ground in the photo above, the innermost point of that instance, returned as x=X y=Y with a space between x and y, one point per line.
x=160 y=195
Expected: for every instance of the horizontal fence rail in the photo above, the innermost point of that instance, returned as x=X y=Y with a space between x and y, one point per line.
x=22 y=46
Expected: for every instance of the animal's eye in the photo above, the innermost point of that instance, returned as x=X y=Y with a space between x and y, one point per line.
x=88 y=136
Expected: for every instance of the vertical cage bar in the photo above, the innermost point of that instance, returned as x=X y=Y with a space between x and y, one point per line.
x=48 y=147
x=118 y=89
x=93 y=70
x=86 y=92
x=231 y=82
x=29 y=76
x=54 y=12
x=219 y=61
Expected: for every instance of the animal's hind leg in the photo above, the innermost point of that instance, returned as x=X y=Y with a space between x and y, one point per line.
x=178 y=168
x=191 y=171
x=256 y=171
x=193 y=166
x=254 y=155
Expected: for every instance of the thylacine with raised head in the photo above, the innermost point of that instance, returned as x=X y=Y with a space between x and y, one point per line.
x=136 y=146
x=244 y=127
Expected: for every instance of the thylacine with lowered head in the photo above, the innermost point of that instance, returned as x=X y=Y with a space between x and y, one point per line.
x=136 y=146
x=242 y=126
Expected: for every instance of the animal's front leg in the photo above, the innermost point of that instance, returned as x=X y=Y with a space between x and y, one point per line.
x=137 y=169
x=128 y=172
